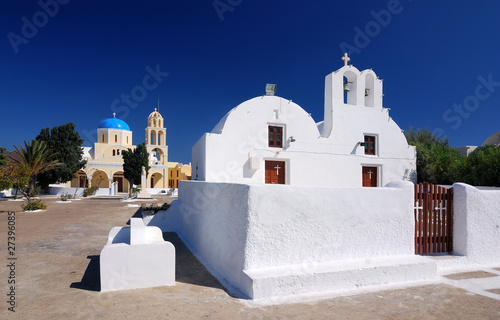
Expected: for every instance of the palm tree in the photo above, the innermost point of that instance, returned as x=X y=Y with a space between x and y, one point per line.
x=37 y=157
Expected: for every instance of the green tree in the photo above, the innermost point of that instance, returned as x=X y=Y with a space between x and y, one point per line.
x=482 y=167
x=3 y=158
x=133 y=161
x=66 y=143
x=18 y=176
x=38 y=158
x=437 y=162
x=4 y=184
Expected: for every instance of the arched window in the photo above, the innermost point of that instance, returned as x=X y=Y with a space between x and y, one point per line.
x=350 y=87
x=116 y=138
x=369 y=94
x=114 y=153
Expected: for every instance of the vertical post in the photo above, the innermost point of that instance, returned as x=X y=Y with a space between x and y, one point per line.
x=449 y=218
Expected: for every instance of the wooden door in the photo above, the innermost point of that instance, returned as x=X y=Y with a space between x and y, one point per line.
x=119 y=181
x=83 y=182
x=152 y=182
x=275 y=172
x=433 y=219
x=370 y=176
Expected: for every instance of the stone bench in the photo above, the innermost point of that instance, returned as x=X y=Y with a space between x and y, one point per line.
x=136 y=257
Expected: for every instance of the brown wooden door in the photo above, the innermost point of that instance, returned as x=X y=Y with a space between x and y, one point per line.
x=119 y=181
x=275 y=172
x=433 y=219
x=370 y=176
x=83 y=182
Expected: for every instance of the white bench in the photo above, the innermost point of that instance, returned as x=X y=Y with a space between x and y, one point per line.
x=136 y=257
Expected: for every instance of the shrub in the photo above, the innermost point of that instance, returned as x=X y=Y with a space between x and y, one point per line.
x=90 y=191
x=135 y=191
x=66 y=197
x=36 y=204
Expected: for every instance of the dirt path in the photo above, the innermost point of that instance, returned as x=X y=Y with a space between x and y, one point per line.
x=56 y=275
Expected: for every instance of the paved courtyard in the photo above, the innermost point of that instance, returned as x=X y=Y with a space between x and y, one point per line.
x=57 y=277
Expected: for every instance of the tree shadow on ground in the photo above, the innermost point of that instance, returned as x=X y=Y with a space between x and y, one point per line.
x=91 y=279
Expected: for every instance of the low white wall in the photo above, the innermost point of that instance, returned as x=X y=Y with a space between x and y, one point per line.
x=159 y=191
x=293 y=225
x=476 y=225
x=239 y=229
x=53 y=190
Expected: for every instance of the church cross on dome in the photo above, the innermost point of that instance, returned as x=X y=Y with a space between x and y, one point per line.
x=114 y=114
x=346 y=59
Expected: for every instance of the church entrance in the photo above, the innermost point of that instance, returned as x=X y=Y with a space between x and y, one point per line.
x=370 y=176
x=119 y=182
x=83 y=182
x=275 y=172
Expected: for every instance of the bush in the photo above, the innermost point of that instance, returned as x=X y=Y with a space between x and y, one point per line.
x=66 y=197
x=90 y=191
x=36 y=204
x=135 y=191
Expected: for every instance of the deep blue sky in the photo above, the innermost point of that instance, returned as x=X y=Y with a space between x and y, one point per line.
x=430 y=54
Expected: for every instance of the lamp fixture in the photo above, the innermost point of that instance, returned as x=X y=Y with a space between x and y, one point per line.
x=367 y=92
x=292 y=139
x=270 y=89
x=361 y=144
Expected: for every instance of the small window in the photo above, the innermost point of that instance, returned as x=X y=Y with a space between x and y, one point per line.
x=114 y=153
x=127 y=139
x=118 y=152
x=275 y=137
x=116 y=138
x=102 y=138
x=370 y=145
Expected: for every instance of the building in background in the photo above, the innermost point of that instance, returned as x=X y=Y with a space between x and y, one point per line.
x=105 y=162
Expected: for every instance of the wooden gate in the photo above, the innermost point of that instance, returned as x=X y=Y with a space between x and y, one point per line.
x=433 y=219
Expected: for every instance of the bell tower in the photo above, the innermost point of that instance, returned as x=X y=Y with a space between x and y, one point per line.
x=156 y=139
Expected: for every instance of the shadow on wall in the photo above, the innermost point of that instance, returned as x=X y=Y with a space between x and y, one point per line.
x=410 y=175
x=187 y=268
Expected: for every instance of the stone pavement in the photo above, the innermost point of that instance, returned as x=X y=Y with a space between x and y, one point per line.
x=57 y=277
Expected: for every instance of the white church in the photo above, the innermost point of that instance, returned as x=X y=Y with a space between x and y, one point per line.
x=269 y=139
x=281 y=205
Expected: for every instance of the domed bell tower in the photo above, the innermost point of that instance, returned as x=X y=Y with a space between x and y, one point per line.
x=156 y=139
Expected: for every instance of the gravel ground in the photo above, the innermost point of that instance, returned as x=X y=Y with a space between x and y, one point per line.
x=57 y=277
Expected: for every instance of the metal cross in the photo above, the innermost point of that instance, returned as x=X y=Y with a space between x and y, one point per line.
x=114 y=114
x=277 y=169
x=346 y=59
x=370 y=173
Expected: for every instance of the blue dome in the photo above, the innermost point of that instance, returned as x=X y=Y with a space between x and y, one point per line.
x=113 y=123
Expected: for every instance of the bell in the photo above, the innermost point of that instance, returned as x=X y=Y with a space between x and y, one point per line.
x=346 y=87
x=366 y=92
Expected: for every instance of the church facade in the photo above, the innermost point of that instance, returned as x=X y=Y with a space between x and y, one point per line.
x=105 y=163
x=269 y=139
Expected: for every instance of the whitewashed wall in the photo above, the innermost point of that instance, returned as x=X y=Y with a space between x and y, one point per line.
x=238 y=230
x=236 y=149
x=476 y=225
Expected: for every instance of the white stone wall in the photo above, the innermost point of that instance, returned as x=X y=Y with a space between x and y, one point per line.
x=237 y=230
x=237 y=148
x=476 y=225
